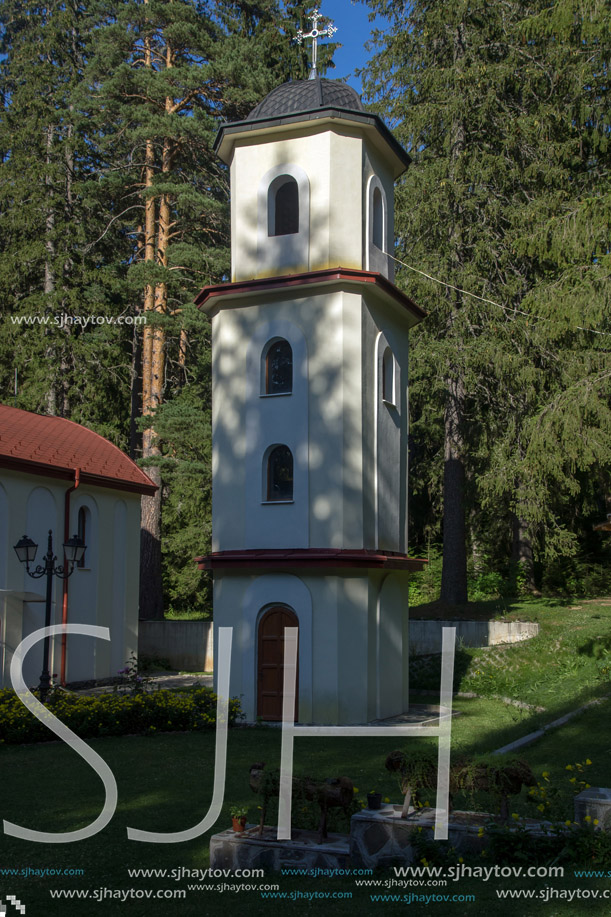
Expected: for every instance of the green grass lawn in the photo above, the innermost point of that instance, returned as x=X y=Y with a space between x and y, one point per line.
x=568 y=663
x=165 y=784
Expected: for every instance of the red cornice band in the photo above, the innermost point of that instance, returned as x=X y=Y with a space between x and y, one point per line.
x=338 y=274
x=312 y=558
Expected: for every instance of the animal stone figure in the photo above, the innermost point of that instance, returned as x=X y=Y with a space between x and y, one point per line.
x=414 y=773
x=335 y=792
x=504 y=780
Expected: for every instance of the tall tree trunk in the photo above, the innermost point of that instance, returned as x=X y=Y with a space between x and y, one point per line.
x=522 y=554
x=135 y=394
x=182 y=355
x=151 y=586
x=67 y=362
x=454 y=572
x=49 y=281
x=151 y=590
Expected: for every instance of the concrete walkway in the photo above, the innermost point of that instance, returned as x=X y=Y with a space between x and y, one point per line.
x=166 y=682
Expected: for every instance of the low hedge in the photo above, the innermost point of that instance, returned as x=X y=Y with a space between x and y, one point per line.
x=113 y=714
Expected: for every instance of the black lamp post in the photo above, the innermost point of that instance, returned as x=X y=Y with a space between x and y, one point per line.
x=25 y=550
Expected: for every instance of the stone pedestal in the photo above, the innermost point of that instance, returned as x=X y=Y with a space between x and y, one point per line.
x=249 y=850
x=385 y=839
x=595 y=802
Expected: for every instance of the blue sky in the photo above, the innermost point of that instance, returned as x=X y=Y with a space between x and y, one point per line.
x=353 y=30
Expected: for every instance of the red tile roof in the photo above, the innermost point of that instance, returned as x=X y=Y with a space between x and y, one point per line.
x=56 y=447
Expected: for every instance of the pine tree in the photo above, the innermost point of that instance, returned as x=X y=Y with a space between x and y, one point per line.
x=166 y=74
x=57 y=252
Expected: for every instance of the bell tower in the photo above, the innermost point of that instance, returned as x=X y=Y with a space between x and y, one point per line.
x=310 y=409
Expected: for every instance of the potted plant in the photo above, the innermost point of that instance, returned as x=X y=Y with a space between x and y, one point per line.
x=238 y=818
x=374 y=800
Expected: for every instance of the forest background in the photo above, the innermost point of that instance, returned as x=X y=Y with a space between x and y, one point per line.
x=112 y=203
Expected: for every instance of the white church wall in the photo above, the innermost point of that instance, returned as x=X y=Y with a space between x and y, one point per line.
x=4 y=542
x=333 y=612
x=273 y=420
x=390 y=464
x=83 y=590
x=16 y=492
x=33 y=508
x=9 y=620
x=329 y=160
x=42 y=513
x=118 y=559
x=228 y=429
x=336 y=430
x=376 y=174
x=391 y=646
x=321 y=422
x=131 y=566
x=386 y=456
x=344 y=204
x=352 y=630
x=120 y=610
x=239 y=602
x=292 y=249
x=354 y=662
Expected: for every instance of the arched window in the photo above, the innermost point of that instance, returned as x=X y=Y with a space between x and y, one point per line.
x=283 y=206
x=378 y=219
x=280 y=474
x=278 y=368
x=388 y=376
x=82 y=531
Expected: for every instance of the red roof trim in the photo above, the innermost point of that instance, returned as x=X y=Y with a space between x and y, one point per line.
x=328 y=275
x=309 y=558
x=66 y=474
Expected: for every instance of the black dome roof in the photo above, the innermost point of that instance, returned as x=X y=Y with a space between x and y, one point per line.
x=306 y=95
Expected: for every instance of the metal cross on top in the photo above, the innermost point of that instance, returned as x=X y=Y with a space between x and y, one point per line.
x=315 y=34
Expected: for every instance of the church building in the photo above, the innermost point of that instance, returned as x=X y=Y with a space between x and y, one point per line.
x=310 y=410
x=58 y=475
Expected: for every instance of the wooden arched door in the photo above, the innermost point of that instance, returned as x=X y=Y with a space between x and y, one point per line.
x=270 y=661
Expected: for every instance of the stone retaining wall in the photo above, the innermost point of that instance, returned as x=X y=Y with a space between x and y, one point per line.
x=187 y=645
x=425 y=636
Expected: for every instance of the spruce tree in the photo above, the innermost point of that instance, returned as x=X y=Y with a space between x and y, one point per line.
x=501 y=107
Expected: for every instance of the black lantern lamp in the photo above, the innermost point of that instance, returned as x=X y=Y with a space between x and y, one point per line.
x=74 y=549
x=25 y=549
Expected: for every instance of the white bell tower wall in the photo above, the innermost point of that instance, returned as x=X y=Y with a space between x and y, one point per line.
x=327 y=165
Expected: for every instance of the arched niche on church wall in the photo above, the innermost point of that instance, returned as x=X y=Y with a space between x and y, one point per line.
x=283 y=233
x=42 y=514
x=84 y=509
x=377 y=228
x=4 y=530
x=83 y=587
x=389 y=464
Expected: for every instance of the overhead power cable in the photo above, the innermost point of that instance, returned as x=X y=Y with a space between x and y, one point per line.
x=510 y=309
